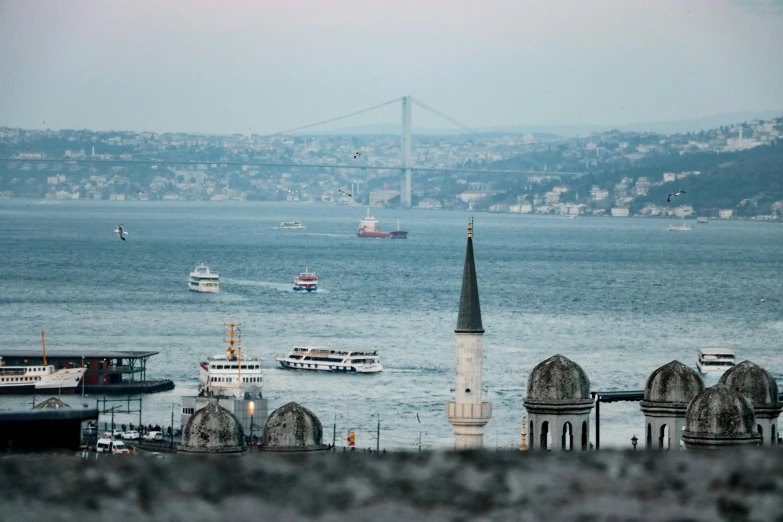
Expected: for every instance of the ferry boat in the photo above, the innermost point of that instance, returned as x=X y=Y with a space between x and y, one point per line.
x=306 y=281
x=702 y=220
x=320 y=358
x=714 y=360
x=202 y=280
x=682 y=227
x=369 y=227
x=231 y=374
x=292 y=225
x=43 y=379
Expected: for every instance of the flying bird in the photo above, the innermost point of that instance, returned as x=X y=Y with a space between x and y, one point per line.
x=120 y=232
x=356 y=155
x=417 y=418
x=344 y=192
x=141 y=192
x=669 y=197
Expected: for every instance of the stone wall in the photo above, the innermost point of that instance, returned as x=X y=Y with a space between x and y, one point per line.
x=737 y=485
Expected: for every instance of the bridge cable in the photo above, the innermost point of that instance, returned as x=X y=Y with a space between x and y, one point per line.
x=445 y=117
x=332 y=119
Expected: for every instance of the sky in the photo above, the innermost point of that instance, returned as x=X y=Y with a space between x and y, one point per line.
x=224 y=67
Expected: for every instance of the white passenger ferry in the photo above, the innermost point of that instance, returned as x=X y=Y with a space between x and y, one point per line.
x=296 y=225
x=714 y=360
x=37 y=379
x=306 y=281
x=202 y=280
x=326 y=359
x=231 y=374
x=682 y=227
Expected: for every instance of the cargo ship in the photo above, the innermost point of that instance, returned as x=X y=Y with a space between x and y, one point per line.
x=369 y=227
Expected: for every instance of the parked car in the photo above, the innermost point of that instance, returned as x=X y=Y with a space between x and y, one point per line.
x=154 y=435
x=116 y=447
x=130 y=435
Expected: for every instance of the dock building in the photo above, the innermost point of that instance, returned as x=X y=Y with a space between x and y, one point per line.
x=108 y=372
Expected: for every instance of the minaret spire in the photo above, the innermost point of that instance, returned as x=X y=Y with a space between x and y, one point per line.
x=469 y=317
x=468 y=414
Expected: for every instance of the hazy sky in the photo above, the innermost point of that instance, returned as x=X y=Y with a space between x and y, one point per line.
x=223 y=66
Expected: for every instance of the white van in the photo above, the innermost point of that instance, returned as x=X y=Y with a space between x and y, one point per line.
x=154 y=435
x=116 y=447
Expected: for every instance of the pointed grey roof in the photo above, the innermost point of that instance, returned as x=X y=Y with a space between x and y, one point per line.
x=469 y=318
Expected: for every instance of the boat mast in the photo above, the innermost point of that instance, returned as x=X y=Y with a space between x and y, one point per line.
x=43 y=346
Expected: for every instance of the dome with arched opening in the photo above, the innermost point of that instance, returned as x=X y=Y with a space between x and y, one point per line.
x=673 y=382
x=720 y=416
x=754 y=382
x=558 y=379
x=213 y=429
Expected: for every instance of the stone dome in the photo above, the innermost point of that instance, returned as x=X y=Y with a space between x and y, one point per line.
x=754 y=382
x=558 y=379
x=673 y=383
x=720 y=416
x=213 y=429
x=292 y=428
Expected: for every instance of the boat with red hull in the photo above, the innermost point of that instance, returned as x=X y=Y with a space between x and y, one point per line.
x=369 y=227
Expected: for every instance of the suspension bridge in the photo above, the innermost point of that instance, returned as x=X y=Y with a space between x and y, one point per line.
x=405 y=166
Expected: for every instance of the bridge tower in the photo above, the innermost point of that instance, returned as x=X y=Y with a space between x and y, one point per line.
x=405 y=153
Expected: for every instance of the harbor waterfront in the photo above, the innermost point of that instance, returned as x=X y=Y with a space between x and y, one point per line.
x=620 y=297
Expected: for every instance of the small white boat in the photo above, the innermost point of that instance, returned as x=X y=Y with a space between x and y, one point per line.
x=714 y=360
x=702 y=220
x=325 y=359
x=202 y=280
x=296 y=225
x=682 y=227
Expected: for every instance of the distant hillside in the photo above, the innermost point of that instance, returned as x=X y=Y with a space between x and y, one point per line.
x=725 y=180
x=661 y=127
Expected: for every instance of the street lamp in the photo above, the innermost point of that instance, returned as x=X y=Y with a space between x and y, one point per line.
x=171 y=433
x=251 y=405
x=84 y=375
x=634 y=440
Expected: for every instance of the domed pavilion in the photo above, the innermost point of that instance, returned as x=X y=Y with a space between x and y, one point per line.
x=667 y=394
x=720 y=417
x=213 y=429
x=558 y=402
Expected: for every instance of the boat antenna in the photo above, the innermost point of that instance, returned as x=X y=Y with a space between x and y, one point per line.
x=43 y=346
x=230 y=339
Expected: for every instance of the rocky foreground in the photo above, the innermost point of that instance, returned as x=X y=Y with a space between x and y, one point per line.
x=595 y=486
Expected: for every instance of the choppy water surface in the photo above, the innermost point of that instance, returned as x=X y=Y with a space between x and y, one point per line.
x=548 y=285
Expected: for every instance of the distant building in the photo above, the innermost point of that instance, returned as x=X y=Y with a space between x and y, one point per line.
x=620 y=211
x=726 y=213
x=382 y=196
x=522 y=208
x=669 y=176
x=469 y=196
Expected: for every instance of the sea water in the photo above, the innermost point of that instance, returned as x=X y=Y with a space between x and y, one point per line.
x=620 y=297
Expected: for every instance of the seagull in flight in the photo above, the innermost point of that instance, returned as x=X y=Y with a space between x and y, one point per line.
x=120 y=232
x=344 y=192
x=356 y=155
x=669 y=197
x=141 y=192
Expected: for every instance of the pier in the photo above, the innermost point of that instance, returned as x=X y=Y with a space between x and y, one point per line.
x=115 y=372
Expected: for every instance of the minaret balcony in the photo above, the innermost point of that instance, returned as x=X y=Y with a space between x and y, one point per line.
x=462 y=413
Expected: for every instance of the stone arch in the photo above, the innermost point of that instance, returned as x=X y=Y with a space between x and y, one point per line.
x=567 y=440
x=649 y=435
x=543 y=443
x=773 y=435
x=532 y=435
x=663 y=437
x=760 y=430
x=585 y=436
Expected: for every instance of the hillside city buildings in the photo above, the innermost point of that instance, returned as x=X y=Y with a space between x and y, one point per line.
x=82 y=164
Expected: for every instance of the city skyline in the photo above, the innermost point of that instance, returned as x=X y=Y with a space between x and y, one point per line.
x=226 y=68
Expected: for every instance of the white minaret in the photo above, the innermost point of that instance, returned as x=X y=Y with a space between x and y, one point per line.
x=468 y=413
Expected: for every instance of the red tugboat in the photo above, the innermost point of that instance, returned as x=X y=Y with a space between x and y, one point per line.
x=369 y=227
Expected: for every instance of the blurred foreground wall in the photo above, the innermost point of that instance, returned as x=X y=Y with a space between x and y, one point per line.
x=592 y=486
